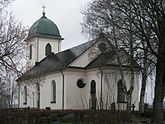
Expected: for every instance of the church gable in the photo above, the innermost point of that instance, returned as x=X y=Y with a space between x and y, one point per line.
x=101 y=60
x=100 y=47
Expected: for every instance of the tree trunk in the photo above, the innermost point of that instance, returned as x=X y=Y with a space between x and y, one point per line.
x=144 y=79
x=159 y=85
x=130 y=91
x=142 y=93
x=160 y=77
x=159 y=95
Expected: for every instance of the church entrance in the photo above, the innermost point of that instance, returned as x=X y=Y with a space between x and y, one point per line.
x=93 y=94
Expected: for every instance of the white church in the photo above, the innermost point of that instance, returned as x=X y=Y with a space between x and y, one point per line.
x=83 y=77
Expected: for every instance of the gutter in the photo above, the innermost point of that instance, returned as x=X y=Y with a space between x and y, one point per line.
x=101 y=95
x=62 y=89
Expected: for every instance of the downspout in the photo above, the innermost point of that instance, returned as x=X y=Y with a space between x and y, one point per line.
x=18 y=95
x=38 y=102
x=62 y=89
x=33 y=99
x=101 y=95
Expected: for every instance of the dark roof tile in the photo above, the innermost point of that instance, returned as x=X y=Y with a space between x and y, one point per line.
x=57 y=61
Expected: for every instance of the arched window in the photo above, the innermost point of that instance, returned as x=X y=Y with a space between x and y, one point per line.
x=120 y=92
x=25 y=95
x=48 y=49
x=53 y=91
x=93 y=87
x=30 y=54
x=93 y=94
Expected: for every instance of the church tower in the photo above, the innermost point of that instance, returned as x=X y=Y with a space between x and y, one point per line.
x=43 y=39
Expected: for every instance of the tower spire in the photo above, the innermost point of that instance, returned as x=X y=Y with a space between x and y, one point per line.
x=43 y=12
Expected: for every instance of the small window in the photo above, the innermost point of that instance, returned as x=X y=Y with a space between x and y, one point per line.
x=102 y=47
x=30 y=55
x=80 y=83
x=93 y=95
x=53 y=91
x=48 y=49
x=25 y=95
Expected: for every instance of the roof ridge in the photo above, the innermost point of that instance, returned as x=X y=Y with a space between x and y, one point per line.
x=76 y=46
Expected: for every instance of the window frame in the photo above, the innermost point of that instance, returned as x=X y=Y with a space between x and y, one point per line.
x=48 y=49
x=25 y=95
x=53 y=92
x=30 y=53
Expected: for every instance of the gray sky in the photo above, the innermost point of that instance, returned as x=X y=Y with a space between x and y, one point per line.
x=65 y=13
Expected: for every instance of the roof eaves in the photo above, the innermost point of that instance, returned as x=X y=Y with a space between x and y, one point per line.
x=43 y=72
x=112 y=65
x=45 y=36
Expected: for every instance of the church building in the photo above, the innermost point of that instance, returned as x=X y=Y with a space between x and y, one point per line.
x=87 y=76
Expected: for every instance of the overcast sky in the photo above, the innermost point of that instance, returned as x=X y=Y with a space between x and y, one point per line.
x=64 y=13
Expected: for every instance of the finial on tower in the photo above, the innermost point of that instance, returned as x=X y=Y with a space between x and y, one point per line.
x=43 y=12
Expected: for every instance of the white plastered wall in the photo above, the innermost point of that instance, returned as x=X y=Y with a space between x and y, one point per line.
x=55 y=45
x=46 y=91
x=75 y=97
x=111 y=77
x=38 y=49
x=94 y=74
x=88 y=56
x=31 y=95
x=31 y=62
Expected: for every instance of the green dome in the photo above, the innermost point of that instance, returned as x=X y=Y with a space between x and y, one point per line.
x=44 y=27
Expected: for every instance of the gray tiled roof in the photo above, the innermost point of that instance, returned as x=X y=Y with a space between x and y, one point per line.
x=57 y=61
x=101 y=60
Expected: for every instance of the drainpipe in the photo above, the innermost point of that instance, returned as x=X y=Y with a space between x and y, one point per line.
x=33 y=99
x=62 y=89
x=38 y=102
x=18 y=95
x=101 y=95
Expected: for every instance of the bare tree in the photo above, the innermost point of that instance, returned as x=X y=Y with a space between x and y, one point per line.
x=12 y=47
x=144 y=21
x=100 y=15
